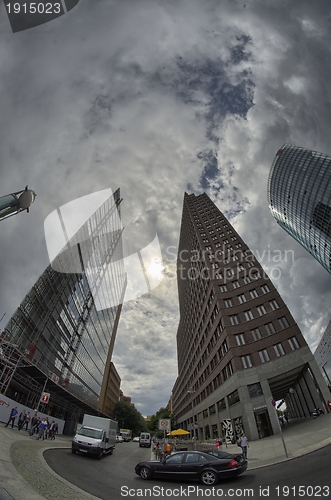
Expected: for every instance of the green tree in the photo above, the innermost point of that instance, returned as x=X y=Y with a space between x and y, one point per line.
x=153 y=424
x=128 y=417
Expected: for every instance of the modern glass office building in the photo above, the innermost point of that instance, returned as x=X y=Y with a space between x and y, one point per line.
x=63 y=332
x=299 y=195
x=238 y=346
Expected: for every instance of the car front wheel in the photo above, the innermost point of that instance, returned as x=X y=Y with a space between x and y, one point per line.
x=209 y=478
x=145 y=473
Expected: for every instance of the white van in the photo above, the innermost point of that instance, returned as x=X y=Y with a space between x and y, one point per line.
x=145 y=439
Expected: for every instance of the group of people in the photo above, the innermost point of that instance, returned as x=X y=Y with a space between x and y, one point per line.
x=39 y=426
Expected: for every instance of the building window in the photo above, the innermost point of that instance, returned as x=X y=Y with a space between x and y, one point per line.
x=234 y=319
x=256 y=275
x=246 y=280
x=283 y=323
x=242 y=298
x=294 y=344
x=240 y=339
x=236 y=284
x=212 y=410
x=205 y=413
x=279 y=350
x=264 y=356
x=274 y=304
x=223 y=288
x=261 y=310
x=256 y=334
x=248 y=315
x=265 y=289
x=246 y=361
x=270 y=328
x=228 y=303
x=255 y=390
x=233 y=398
x=221 y=405
x=253 y=294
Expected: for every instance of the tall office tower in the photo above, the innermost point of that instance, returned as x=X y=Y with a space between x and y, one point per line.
x=299 y=194
x=323 y=355
x=63 y=332
x=239 y=348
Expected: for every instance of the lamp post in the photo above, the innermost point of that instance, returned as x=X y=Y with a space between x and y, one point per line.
x=192 y=391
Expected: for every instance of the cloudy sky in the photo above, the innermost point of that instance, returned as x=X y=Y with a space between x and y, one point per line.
x=159 y=98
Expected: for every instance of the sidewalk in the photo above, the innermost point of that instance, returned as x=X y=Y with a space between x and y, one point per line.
x=25 y=474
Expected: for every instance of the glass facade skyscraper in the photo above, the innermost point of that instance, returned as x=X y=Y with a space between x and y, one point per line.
x=299 y=195
x=66 y=325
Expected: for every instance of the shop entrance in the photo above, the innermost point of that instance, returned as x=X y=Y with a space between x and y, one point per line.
x=263 y=423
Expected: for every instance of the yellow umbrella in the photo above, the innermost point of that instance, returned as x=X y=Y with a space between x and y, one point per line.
x=178 y=432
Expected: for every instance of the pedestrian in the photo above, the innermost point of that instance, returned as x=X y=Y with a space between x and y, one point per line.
x=27 y=421
x=21 y=420
x=34 y=423
x=42 y=429
x=51 y=429
x=13 y=415
x=243 y=442
x=55 y=430
x=219 y=443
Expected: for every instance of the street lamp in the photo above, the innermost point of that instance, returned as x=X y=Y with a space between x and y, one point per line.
x=14 y=203
x=192 y=391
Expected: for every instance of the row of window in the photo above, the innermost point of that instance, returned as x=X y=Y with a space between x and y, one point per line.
x=264 y=353
x=261 y=310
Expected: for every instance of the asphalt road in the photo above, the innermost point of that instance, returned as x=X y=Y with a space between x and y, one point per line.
x=113 y=477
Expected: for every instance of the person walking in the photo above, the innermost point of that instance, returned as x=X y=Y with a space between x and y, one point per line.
x=34 y=423
x=219 y=443
x=27 y=421
x=21 y=420
x=13 y=415
x=55 y=430
x=244 y=444
x=42 y=429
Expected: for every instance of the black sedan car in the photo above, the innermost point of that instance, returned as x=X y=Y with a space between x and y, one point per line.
x=205 y=466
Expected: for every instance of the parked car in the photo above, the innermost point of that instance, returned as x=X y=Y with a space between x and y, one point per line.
x=119 y=439
x=136 y=439
x=208 y=467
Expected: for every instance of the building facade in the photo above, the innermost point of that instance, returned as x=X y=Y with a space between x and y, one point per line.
x=323 y=355
x=239 y=348
x=63 y=333
x=299 y=195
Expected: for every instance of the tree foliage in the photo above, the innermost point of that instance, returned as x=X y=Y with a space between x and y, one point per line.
x=128 y=417
x=153 y=424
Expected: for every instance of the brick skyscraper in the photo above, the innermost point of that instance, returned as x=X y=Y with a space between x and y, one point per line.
x=238 y=345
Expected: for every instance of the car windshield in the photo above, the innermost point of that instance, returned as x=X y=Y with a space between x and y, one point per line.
x=91 y=433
